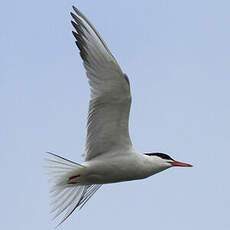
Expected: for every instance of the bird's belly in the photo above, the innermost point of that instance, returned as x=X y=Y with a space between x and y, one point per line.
x=108 y=177
x=111 y=171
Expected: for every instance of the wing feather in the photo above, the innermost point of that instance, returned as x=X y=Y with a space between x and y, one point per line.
x=110 y=101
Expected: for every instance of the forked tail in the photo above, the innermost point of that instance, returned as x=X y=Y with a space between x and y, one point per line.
x=66 y=193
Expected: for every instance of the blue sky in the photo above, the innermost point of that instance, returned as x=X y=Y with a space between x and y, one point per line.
x=176 y=54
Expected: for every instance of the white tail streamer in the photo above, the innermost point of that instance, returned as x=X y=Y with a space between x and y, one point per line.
x=66 y=197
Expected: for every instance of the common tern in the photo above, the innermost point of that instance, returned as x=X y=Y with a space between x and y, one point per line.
x=109 y=154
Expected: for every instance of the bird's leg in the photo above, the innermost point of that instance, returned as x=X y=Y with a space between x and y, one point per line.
x=73 y=179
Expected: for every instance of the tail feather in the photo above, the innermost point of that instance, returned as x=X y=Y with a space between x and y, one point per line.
x=92 y=189
x=66 y=197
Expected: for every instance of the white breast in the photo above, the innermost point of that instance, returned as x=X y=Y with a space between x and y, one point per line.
x=119 y=167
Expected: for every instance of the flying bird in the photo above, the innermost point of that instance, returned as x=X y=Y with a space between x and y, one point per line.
x=109 y=154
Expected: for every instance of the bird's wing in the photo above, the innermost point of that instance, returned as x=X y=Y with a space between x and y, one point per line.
x=109 y=107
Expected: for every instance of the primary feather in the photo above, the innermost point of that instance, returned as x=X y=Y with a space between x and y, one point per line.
x=109 y=107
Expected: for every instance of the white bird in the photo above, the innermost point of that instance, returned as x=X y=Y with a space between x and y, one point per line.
x=110 y=155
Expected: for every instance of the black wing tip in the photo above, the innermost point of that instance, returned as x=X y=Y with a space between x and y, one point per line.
x=75 y=11
x=74 y=8
x=72 y=14
x=74 y=33
x=73 y=24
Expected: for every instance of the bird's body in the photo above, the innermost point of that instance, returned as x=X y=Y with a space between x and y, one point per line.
x=109 y=154
x=118 y=167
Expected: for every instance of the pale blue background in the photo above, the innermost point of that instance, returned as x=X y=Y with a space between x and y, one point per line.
x=176 y=54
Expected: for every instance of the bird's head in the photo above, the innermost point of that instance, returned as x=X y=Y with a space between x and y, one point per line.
x=165 y=161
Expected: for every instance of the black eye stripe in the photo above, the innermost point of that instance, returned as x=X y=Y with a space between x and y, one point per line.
x=161 y=155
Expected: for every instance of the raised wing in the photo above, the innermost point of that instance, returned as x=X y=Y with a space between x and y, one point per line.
x=108 y=117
